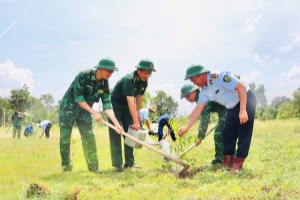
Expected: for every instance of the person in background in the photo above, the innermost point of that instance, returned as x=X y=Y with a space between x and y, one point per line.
x=16 y=120
x=191 y=93
x=46 y=126
x=163 y=121
x=144 y=117
x=28 y=130
x=88 y=87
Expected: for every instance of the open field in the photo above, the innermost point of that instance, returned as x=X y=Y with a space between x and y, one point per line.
x=272 y=170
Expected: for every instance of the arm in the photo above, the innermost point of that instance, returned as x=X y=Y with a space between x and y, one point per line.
x=194 y=116
x=133 y=113
x=86 y=107
x=138 y=100
x=204 y=121
x=112 y=117
x=148 y=124
x=241 y=90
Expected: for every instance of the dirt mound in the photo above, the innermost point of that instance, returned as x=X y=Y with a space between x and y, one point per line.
x=37 y=190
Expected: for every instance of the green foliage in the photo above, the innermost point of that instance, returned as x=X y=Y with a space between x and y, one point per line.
x=5 y=111
x=286 y=110
x=20 y=98
x=279 y=100
x=296 y=102
x=165 y=104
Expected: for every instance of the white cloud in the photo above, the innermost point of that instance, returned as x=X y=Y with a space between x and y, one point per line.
x=294 y=73
x=250 y=24
x=12 y=77
x=289 y=46
x=251 y=77
x=265 y=59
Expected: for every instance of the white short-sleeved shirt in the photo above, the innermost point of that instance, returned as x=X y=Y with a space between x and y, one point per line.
x=221 y=89
x=144 y=114
x=44 y=124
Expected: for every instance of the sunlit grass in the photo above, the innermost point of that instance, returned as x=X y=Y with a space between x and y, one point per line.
x=272 y=170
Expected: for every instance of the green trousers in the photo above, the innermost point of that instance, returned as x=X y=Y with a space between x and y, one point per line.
x=17 y=131
x=218 y=148
x=84 y=122
x=125 y=119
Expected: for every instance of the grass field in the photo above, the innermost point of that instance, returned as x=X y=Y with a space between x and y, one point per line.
x=272 y=170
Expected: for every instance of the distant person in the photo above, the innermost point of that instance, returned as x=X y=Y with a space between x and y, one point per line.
x=165 y=120
x=16 y=120
x=46 y=126
x=144 y=117
x=88 y=87
x=191 y=93
x=154 y=128
x=28 y=130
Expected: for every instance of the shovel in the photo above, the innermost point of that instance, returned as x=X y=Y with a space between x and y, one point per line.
x=195 y=144
x=177 y=161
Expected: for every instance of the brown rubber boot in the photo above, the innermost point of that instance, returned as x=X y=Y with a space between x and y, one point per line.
x=227 y=162
x=237 y=165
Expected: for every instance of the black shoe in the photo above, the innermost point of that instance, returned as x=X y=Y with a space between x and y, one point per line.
x=133 y=166
x=119 y=169
x=173 y=136
x=96 y=171
x=66 y=169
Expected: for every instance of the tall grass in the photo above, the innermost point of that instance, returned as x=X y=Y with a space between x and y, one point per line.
x=271 y=171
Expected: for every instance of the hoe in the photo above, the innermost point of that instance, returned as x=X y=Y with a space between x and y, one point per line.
x=176 y=160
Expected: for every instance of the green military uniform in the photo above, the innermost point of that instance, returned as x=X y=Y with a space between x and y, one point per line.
x=129 y=85
x=83 y=88
x=212 y=106
x=16 y=121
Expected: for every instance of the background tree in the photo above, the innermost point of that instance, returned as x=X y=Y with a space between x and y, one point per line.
x=165 y=104
x=286 y=110
x=279 y=100
x=5 y=111
x=20 y=98
x=296 y=102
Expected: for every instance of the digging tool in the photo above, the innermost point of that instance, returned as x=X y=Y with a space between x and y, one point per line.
x=185 y=165
x=195 y=144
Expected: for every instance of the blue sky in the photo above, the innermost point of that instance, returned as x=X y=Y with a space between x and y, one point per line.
x=46 y=43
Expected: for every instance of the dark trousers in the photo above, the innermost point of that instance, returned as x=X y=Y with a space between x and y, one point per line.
x=47 y=130
x=125 y=119
x=236 y=134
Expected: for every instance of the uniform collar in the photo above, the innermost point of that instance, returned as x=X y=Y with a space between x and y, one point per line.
x=208 y=80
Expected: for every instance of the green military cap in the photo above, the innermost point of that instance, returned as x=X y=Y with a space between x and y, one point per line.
x=188 y=88
x=107 y=63
x=195 y=70
x=146 y=65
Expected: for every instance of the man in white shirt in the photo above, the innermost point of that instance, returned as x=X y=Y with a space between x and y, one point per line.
x=144 y=116
x=46 y=126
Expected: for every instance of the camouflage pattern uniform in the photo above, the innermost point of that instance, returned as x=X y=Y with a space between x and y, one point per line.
x=212 y=106
x=17 y=124
x=129 y=85
x=83 y=88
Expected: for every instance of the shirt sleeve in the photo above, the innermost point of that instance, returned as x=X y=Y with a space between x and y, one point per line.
x=105 y=98
x=204 y=121
x=79 y=88
x=227 y=80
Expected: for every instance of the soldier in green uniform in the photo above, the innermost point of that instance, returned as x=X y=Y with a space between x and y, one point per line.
x=126 y=99
x=191 y=93
x=76 y=106
x=17 y=123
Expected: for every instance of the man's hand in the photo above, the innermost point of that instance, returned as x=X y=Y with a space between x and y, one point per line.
x=198 y=142
x=119 y=129
x=243 y=116
x=136 y=126
x=182 y=131
x=97 y=117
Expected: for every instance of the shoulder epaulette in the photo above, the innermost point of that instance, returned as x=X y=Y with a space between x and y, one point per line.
x=214 y=75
